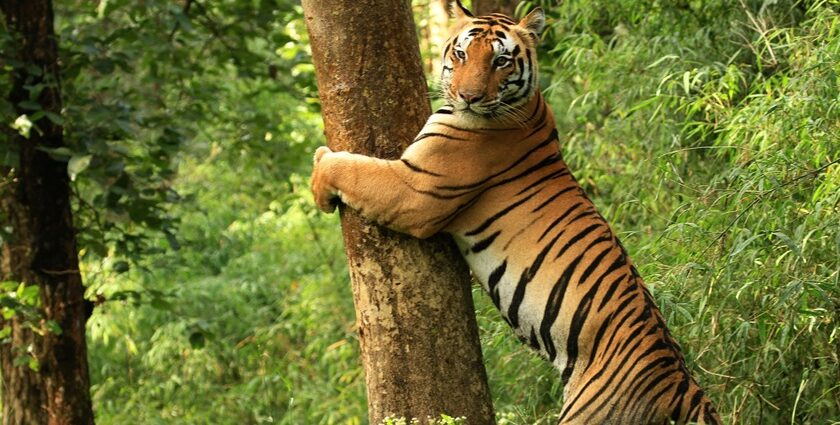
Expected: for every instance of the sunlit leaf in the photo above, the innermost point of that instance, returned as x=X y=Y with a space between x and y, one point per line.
x=77 y=164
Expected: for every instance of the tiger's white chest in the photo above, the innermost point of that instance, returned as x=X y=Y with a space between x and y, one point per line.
x=499 y=272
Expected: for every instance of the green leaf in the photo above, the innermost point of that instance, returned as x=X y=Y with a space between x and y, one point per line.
x=791 y=244
x=33 y=364
x=30 y=104
x=121 y=266
x=27 y=360
x=8 y=285
x=53 y=327
x=27 y=294
x=743 y=244
x=77 y=164
x=104 y=66
x=55 y=118
x=160 y=303
x=101 y=8
x=58 y=154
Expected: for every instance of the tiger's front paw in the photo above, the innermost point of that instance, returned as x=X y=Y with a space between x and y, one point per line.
x=325 y=195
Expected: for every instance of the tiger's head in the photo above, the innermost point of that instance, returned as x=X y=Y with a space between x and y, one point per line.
x=490 y=62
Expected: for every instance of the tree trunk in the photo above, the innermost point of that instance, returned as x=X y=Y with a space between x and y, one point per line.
x=42 y=250
x=438 y=30
x=486 y=7
x=413 y=298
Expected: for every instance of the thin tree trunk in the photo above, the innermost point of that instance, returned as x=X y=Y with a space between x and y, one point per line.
x=438 y=30
x=413 y=298
x=486 y=7
x=42 y=251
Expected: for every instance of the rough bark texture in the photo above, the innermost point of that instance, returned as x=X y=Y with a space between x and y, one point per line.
x=36 y=205
x=414 y=308
x=486 y=7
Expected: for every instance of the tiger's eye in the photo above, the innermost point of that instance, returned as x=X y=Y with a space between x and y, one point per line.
x=501 y=62
x=460 y=54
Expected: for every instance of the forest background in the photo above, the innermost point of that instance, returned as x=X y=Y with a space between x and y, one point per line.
x=707 y=132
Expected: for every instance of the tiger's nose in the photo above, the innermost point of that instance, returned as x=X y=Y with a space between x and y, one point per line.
x=470 y=96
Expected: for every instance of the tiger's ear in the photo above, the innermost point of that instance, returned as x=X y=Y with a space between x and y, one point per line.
x=459 y=11
x=534 y=22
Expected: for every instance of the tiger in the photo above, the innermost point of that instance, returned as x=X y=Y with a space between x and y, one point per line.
x=487 y=169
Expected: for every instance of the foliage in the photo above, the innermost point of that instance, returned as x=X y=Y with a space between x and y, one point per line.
x=443 y=420
x=706 y=131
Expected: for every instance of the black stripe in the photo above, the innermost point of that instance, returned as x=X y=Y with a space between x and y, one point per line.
x=707 y=414
x=493 y=281
x=695 y=404
x=553 y=306
x=527 y=275
x=616 y=264
x=553 y=197
x=596 y=342
x=582 y=311
x=543 y=179
x=653 y=401
x=677 y=399
x=551 y=138
x=548 y=161
x=502 y=18
x=434 y=194
x=608 y=295
x=576 y=326
x=559 y=219
x=642 y=377
x=616 y=368
x=541 y=122
x=607 y=365
x=441 y=135
x=576 y=238
x=486 y=242
x=629 y=289
x=500 y=214
x=641 y=321
x=522 y=230
x=533 y=341
x=620 y=324
x=413 y=167
x=533 y=75
x=594 y=265
x=446 y=217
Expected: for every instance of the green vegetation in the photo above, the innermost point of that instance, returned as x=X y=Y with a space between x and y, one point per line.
x=708 y=133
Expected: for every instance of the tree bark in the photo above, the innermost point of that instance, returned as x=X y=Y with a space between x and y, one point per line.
x=413 y=298
x=486 y=7
x=42 y=251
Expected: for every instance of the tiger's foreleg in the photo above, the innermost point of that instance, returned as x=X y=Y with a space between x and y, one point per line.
x=384 y=191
